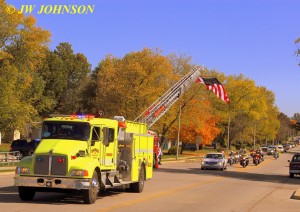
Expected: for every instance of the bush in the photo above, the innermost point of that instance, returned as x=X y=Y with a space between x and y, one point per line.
x=172 y=150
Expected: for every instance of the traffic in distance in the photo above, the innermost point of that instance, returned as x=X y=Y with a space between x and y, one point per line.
x=219 y=161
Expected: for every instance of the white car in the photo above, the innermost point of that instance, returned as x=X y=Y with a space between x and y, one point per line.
x=280 y=148
x=214 y=161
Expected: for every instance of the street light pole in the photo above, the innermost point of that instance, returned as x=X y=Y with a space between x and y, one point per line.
x=228 y=128
x=254 y=136
x=178 y=135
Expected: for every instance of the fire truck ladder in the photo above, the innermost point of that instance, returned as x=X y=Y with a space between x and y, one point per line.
x=163 y=103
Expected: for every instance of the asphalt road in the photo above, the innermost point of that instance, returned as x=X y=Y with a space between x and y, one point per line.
x=181 y=186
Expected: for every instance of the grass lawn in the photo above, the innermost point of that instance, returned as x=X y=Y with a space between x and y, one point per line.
x=185 y=154
x=4 y=147
x=7 y=170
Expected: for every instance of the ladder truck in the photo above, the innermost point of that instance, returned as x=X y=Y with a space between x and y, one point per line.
x=163 y=103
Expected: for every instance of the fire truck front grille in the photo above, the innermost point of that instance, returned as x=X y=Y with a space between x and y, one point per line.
x=58 y=165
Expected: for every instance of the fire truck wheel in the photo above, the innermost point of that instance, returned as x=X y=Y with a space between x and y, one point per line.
x=26 y=193
x=30 y=152
x=139 y=186
x=90 y=195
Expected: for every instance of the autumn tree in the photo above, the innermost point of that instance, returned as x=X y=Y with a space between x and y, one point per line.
x=22 y=48
x=126 y=86
x=250 y=108
x=285 y=127
x=197 y=120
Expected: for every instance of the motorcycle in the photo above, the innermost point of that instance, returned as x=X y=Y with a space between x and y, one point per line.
x=244 y=161
x=256 y=159
x=276 y=155
x=237 y=157
x=231 y=160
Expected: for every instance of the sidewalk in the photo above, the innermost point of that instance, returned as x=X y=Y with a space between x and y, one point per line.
x=7 y=170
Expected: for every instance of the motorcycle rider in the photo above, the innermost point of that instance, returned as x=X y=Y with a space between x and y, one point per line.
x=260 y=153
x=231 y=158
x=276 y=153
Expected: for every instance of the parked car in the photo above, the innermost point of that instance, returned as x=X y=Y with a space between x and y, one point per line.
x=264 y=150
x=25 y=148
x=294 y=167
x=214 y=161
x=190 y=146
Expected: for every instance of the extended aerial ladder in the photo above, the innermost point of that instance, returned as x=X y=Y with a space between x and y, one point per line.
x=162 y=104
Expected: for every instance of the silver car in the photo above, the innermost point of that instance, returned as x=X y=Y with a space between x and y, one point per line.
x=214 y=161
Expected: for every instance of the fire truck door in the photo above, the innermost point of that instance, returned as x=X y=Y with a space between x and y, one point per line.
x=95 y=144
x=107 y=147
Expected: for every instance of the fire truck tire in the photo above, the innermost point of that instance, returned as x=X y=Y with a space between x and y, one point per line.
x=26 y=193
x=139 y=186
x=90 y=195
x=30 y=152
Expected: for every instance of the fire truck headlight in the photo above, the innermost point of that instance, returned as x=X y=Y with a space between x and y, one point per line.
x=22 y=170
x=79 y=173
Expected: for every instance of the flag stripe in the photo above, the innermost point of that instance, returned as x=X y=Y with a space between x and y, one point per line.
x=216 y=87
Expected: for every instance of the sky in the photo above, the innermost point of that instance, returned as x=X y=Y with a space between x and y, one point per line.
x=255 y=38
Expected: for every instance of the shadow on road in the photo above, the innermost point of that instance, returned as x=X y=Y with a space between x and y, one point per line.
x=273 y=178
x=10 y=195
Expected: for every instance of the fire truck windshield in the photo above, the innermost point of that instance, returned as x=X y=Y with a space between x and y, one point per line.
x=66 y=130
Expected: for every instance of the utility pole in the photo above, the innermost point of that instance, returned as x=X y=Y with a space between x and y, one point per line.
x=254 y=136
x=228 y=128
x=178 y=135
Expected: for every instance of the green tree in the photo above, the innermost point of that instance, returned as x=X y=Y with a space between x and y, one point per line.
x=22 y=49
x=64 y=74
x=296 y=117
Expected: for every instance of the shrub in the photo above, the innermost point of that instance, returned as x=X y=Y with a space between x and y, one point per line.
x=172 y=150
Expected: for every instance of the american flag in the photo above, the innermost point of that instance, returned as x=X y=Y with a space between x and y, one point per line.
x=214 y=85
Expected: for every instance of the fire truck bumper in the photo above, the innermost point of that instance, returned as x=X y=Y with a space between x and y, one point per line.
x=52 y=182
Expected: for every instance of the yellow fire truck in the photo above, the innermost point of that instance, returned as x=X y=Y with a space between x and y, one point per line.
x=87 y=154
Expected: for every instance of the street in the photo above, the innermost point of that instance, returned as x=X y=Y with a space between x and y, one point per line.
x=181 y=186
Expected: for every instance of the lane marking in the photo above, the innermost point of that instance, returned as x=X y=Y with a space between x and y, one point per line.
x=161 y=194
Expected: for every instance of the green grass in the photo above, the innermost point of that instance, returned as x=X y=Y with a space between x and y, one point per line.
x=186 y=154
x=7 y=170
x=4 y=147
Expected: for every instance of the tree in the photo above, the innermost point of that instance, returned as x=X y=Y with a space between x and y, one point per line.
x=285 y=127
x=64 y=74
x=296 y=117
x=127 y=86
x=197 y=117
x=298 y=50
x=22 y=49
x=250 y=108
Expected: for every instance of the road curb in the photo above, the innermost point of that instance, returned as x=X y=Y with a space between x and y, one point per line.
x=7 y=173
x=296 y=195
